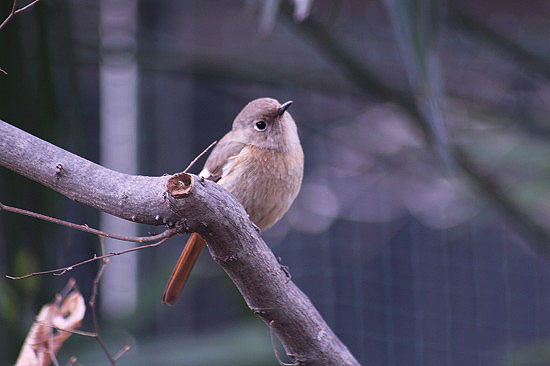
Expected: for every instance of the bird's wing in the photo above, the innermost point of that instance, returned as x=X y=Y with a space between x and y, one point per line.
x=224 y=152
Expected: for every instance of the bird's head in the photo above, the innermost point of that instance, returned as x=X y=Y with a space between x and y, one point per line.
x=266 y=123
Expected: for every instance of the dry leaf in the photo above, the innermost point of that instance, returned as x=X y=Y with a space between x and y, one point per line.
x=43 y=340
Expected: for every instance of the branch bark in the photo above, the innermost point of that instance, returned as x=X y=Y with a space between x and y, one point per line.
x=199 y=206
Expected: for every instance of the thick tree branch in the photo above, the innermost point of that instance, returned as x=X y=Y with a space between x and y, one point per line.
x=200 y=206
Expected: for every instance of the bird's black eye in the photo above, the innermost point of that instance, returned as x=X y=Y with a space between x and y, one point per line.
x=260 y=125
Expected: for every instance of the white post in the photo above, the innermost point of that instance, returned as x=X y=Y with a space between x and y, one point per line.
x=118 y=113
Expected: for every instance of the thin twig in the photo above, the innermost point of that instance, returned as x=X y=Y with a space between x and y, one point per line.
x=85 y=228
x=92 y=302
x=77 y=332
x=22 y=9
x=199 y=156
x=14 y=11
x=122 y=352
x=104 y=348
x=95 y=283
x=71 y=283
x=63 y=270
x=95 y=333
x=11 y=15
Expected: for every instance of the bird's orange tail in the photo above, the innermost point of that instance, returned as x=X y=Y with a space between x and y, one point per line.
x=183 y=268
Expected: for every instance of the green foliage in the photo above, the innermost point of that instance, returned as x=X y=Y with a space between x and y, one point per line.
x=8 y=304
x=25 y=262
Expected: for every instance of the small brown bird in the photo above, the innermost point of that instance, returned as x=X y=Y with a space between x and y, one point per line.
x=261 y=162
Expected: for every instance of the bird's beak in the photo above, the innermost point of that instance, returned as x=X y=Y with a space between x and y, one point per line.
x=284 y=107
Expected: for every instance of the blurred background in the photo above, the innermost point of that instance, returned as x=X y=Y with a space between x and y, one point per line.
x=422 y=230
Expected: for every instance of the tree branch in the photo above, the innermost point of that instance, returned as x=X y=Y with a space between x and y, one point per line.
x=95 y=334
x=92 y=303
x=42 y=344
x=14 y=11
x=85 y=228
x=62 y=270
x=195 y=205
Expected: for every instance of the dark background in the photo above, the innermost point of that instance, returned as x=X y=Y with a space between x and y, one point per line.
x=427 y=181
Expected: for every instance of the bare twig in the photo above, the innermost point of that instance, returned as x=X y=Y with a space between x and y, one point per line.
x=95 y=333
x=207 y=209
x=112 y=359
x=62 y=270
x=71 y=283
x=92 y=302
x=134 y=239
x=22 y=9
x=199 y=156
x=42 y=344
x=95 y=283
x=104 y=258
x=121 y=353
x=14 y=11
x=77 y=332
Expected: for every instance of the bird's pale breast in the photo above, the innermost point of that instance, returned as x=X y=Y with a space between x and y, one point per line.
x=265 y=181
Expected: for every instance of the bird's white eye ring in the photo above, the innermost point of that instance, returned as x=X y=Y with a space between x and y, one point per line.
x=260 y=125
